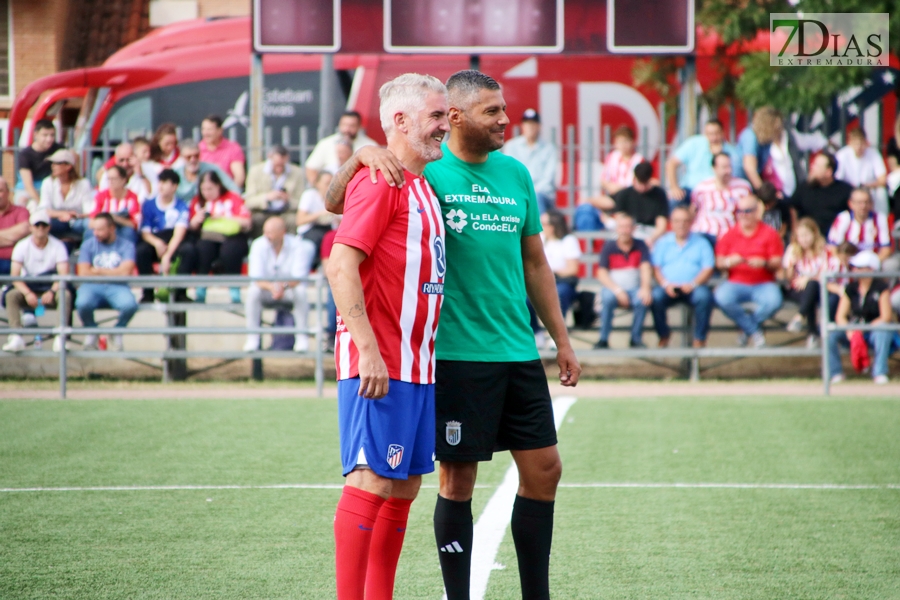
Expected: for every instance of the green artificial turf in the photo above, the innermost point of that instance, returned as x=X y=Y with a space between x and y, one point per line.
x=637 y=542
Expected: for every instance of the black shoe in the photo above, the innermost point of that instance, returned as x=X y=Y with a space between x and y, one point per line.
x=147 y=297
x=635 y=344
x=181 y=297
x=601 y=345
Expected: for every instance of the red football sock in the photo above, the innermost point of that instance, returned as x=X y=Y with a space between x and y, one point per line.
x=354 y=523
x=387 y=541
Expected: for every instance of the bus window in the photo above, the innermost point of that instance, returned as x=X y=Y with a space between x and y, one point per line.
x=130 y=118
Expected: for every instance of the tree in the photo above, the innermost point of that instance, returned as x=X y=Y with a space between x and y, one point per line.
x=751 y=81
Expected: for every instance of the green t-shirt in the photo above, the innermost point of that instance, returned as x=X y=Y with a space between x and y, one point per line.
x=488 y=208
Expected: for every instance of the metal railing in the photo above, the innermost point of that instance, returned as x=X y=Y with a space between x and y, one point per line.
x=65 y=330
x=826 y=327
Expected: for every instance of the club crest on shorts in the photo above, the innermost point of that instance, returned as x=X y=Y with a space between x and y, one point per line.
x=394 y=455
x=454 y=432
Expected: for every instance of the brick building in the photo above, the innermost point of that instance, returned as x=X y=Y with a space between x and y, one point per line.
x=42 y=37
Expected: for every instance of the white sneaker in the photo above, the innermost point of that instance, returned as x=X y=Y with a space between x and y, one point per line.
x=812 y=342
x=758 y=339
x=795 y=325
x=57 y=344
x=117 y=344
x=301 y=343
x=540 y=338
x=252 y=345
x=90 y=342
x=839 y=378
x=880 y=380
x=14 y=343
x=742 y=339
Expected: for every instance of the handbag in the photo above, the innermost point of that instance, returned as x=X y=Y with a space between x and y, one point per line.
x=216 y=229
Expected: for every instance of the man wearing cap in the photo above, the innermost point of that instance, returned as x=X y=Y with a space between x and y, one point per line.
x=13 y=226
x=866 y=301
x=38 y=254
x=538 y=156
x=66 y=196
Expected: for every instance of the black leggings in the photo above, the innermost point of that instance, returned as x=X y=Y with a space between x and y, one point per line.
x=808 y=299
x=222 y=257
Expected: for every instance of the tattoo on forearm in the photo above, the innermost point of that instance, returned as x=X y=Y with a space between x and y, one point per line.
x=357 y=310
x=334 y=197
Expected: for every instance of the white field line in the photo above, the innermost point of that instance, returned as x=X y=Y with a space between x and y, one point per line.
x=492 y=524
x=597 y=485
x=157 y=488
x=737 y=486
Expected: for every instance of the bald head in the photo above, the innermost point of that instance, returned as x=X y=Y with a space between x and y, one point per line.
x=274 y=230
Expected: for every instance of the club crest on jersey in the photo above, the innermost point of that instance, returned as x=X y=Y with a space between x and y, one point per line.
x=454 y=432
x=440 y=256
x=394 y=455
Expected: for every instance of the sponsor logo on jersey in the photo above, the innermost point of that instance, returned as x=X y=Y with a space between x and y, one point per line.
x=456 y=220
x=432 y=288
x=454 y=432
x=394 y=455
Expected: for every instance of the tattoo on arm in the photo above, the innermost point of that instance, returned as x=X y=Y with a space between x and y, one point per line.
x=334 y=197
x=357 y=310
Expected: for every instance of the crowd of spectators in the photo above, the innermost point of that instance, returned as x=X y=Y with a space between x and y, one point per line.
x=170 y=207
x=753 y=220
x=749 y=218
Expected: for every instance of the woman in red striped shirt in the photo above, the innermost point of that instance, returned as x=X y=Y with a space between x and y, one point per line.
x=804 y=260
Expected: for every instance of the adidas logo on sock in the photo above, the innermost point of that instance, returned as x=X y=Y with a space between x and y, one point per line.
x=452 y=548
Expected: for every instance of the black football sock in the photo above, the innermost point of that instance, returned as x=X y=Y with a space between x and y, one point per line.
x=532 y=531
x=453 y=532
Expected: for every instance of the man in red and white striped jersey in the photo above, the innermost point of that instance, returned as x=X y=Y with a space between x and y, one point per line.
x=713 y=201
x=618 y=168
x=861 y=226
x=387 y=276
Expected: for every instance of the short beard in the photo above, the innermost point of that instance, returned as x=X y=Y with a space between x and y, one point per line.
x=418 y=144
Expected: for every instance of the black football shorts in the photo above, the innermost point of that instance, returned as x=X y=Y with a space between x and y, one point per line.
x=487 y=407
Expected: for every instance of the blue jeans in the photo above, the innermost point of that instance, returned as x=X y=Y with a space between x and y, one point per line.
x=766 y=296
x=78 y=227
x=700 y=298
x=609 y=305
x=545 y=201
x=587 y=218
x=880 y=341
x=5 y=266
x=566 y=292
x=116 y=296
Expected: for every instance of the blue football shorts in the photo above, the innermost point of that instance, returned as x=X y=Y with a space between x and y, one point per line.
x=393 y=436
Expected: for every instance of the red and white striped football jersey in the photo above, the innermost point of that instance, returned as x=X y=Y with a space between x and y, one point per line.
x=870 y=235
x=715 y=207
x=811 y=267
x=401 y=230
x=618 y=170
x=104 y=202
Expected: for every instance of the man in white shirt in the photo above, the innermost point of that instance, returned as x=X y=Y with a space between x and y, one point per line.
x=860 y=165
x=38 y=254
x=538 y=156
x=324 y=155
x=275 y=254
x=137 y=181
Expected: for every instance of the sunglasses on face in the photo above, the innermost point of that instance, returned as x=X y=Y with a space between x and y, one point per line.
x=42 y=224
x=190 y=156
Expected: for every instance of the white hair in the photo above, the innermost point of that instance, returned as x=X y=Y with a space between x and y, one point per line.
x=406 y=94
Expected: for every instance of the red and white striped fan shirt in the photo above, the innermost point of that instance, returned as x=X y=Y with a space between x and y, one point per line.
x=810 y=267
x=105 y=202
x=873 y=234
x=715 y=207
x=618 y=170
x=401 y=230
